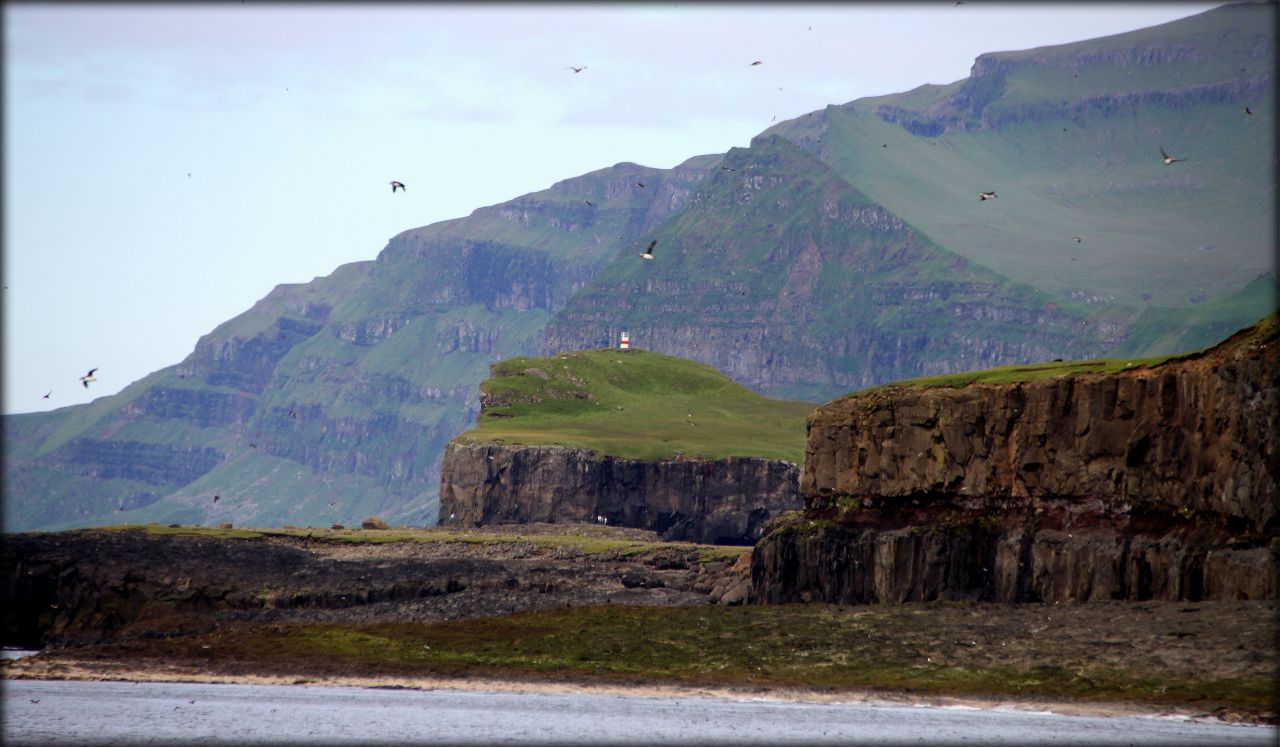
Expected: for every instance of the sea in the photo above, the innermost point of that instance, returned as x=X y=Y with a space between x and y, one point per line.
x=39 y=712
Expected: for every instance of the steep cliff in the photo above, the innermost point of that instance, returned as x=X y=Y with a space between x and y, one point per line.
x=720 y=501
x=633 y=439
x=1146 y=482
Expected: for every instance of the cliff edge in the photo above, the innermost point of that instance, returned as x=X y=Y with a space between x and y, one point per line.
x=1144 y=482
x=627 y=438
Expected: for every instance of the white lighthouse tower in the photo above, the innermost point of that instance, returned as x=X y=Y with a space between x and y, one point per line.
x=625 y=342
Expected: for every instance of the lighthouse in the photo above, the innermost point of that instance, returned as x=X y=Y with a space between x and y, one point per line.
x=625 y=342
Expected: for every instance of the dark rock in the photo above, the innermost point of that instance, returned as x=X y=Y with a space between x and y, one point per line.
x=1150 y=483
x=726 y=501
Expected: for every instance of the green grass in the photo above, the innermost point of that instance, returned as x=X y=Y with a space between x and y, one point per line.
x=636 y=405
x=821 y=647
x=1260 y=332
x=1023 y=373
x=587 y=539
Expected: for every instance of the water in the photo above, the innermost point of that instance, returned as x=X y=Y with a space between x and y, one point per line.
x=9 y=652
x=76 y=712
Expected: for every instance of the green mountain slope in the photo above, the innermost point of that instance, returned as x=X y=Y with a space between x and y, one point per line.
x=1069 y=137
x=789 y=279
x=333 y=400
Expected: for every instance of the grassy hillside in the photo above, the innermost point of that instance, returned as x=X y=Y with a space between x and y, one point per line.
x=1069 y=137
x=638 y=405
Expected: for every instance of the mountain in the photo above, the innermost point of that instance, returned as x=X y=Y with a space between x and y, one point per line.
x=332 y=400
x=842 y=249
x=1169 y=258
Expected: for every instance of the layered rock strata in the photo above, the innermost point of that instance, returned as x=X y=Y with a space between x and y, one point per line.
x=725 y=501
x=1149 y=483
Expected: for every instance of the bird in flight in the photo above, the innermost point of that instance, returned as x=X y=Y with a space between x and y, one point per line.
x=1248 y=111
x=87 y=378
x=987 y=196
x=1076 y=239
x=587 y=201
x=648 y=252
x=217 y=498
x=640 y=184
x=576 y=70
x=726 y=168
x=396 y=185
x=1168 y=159
x=757 y=62
x=47 y=395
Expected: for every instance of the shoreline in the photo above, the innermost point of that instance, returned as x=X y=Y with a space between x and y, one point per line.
x=78 y=670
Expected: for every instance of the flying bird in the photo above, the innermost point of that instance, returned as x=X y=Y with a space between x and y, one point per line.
x=1076 y=239
x=587 y=201
x=1168 y=159
x=396 y=185
x=648 y=252
x=987 y=196
x=217 y=498
x=47 y=395
x=1248 y=111
x=757 y=62
x=87 y=378
x=640 y=184
x=576 y=70
x=726 y=168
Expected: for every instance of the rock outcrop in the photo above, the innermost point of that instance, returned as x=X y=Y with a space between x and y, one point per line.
x=1148 y=483
x=724 y=501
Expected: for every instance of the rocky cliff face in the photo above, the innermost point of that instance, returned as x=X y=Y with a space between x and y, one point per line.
x=1149 y=483
x=725 y=501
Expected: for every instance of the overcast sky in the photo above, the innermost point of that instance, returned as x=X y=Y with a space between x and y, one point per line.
x=165 y=166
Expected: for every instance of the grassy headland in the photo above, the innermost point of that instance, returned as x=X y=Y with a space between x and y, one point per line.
x=638 y=405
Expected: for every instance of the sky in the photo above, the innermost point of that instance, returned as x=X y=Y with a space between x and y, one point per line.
x=167 y=165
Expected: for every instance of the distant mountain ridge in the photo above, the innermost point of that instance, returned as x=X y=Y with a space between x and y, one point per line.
x=842 y=249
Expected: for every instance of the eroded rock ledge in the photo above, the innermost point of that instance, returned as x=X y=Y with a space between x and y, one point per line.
x=724 y=501
x=1151 y=483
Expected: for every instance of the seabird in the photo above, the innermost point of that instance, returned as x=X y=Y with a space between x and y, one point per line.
x=217 y=498
x=757 y=62
x=648 y=253
x=987 y=196
x=587 y=201
x=293 y=414
x=576 y=69
x=1248 y=111
x=47 y=395
x=1076 y=239
x=87 y=378
x=639 y=184
x=726 y=168
x=396 y=185
x=1168 y=159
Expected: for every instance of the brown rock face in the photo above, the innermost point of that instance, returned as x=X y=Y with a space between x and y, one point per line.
x=1151 y=483
x=726 y=501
